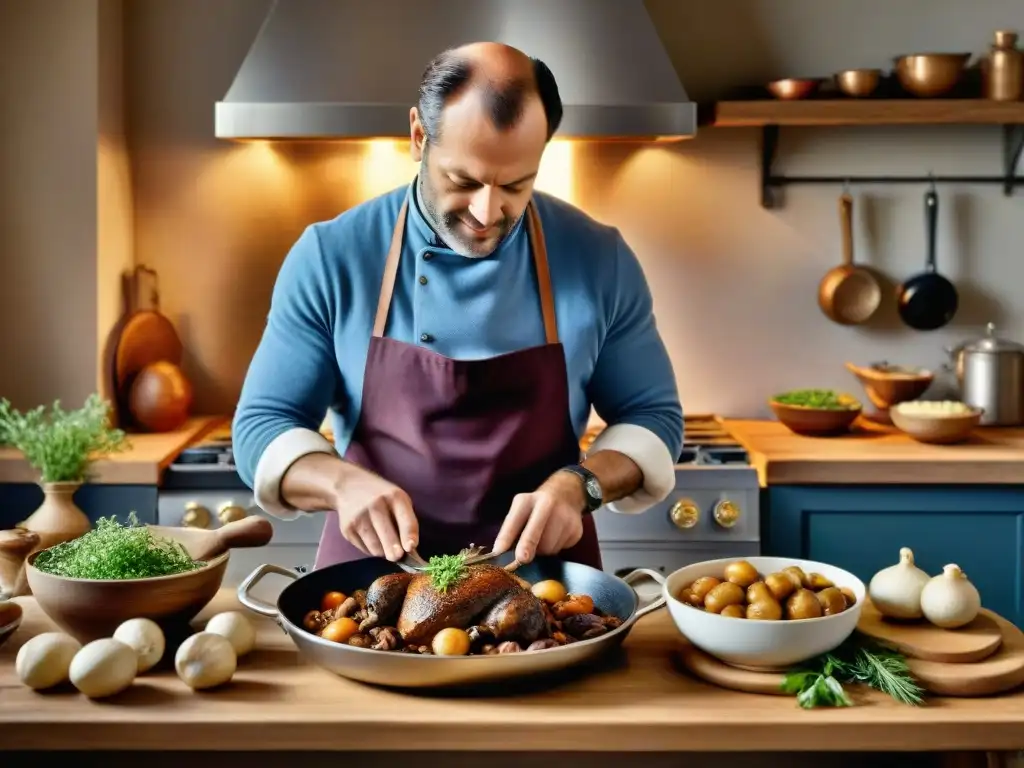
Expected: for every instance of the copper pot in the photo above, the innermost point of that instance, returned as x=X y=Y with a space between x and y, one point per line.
x=793 y=88
x=858 y=82
x=931 y=74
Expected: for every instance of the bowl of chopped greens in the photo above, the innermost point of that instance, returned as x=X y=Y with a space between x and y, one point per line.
x=816 y=412
x=91 y=585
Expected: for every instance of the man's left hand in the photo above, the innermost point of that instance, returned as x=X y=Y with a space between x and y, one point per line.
x=546 y=521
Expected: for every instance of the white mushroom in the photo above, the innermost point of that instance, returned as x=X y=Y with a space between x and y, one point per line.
x=146 y=638
x=45 y=660
x=236 y=628
x=205 y=660
x=103 y=668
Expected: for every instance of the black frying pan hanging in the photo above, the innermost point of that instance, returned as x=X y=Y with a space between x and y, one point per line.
x=928 y=300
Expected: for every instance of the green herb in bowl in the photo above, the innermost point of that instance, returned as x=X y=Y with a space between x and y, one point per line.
x=820 y=399
x=117 y=552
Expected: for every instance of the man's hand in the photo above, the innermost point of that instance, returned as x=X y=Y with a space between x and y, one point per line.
x=546 y=521
x=376 y=516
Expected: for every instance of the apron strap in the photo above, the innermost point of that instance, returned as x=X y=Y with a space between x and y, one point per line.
x=540 y=261
x=387 y=288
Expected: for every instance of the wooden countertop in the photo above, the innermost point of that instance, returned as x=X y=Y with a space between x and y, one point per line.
x=872 y=454
x=141 y=464
x=639 y=701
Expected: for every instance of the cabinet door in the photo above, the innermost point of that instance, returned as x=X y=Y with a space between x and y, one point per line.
x=861 y=529
x=19 y=500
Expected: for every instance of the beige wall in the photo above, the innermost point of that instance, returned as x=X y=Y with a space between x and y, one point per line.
x=65 y=203
x=734 y=285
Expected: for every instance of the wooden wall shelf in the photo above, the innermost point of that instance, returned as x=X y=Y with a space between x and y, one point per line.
x=770 y=115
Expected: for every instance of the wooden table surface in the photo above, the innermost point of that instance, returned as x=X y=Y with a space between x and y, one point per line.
x=142 y=463
x=640 y=700
x=872 y=454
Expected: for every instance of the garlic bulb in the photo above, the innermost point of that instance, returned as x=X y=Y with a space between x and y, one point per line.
x=896 y=590
x=146 y=638
x=103 y=667
x=236 y=628
x=44 y=661
x=205 y=660
x=950 y=600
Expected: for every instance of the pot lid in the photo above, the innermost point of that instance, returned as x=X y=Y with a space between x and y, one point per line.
x=992 y=343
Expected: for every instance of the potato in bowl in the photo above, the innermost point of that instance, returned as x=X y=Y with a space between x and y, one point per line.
x=764 y=613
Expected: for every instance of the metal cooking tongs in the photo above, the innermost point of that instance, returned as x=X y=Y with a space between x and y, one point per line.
x=413 y=563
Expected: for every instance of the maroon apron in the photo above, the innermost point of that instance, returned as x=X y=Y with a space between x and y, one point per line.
x=463 y=437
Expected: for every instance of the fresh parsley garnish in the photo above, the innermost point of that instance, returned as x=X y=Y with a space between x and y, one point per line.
x=446 y=570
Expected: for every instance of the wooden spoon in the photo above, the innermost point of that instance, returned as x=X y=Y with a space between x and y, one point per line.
x=15 y=546
x=202 y=544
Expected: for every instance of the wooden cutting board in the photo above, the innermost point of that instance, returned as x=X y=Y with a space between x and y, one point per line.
x=922 y=640
x=1002 y=671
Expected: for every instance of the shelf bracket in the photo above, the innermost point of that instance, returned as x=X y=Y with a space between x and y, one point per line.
x=769 y=148
x=772 y=184
x=1013 y=145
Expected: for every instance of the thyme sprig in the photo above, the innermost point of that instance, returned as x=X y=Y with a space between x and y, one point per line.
x=819 y=683
x=61 y=444
x=115 y=551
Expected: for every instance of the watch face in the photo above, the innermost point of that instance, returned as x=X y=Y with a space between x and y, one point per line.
x=594 y=488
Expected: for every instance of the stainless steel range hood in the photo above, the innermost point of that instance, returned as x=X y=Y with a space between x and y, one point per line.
x=350 y=69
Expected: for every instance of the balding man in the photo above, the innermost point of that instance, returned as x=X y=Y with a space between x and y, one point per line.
x=458 y=331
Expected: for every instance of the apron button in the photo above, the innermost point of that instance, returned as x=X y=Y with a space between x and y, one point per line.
x=428 y=256
x=426 y=338
x=423 y=279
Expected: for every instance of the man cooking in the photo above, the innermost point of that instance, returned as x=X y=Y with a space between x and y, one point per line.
x=458 y=331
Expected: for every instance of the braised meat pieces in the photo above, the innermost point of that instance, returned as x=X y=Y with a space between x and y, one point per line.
x=486 y=610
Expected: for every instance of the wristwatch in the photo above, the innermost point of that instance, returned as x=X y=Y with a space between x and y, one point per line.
x=591 y=486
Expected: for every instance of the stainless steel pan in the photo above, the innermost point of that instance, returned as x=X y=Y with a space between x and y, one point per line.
x=611 y=594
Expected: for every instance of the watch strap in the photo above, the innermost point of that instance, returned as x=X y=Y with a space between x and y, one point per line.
x=589 y=479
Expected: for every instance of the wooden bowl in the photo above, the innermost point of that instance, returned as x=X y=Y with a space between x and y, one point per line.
x=886 y=385
x=931 y=74
x=937 y=429
x=89 y=609
x=816 y=422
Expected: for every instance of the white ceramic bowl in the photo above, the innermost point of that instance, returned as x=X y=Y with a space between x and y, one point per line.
x=762 y=645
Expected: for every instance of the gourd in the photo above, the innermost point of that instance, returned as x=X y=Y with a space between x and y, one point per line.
x=238 y=630
x=45 y=660
x=896 y=590
x=205 y=660
x=950 y=600
x=145 y=637
x=103 y=668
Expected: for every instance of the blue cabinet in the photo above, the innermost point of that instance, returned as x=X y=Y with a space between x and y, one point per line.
x=861 y=529
x=19 y=500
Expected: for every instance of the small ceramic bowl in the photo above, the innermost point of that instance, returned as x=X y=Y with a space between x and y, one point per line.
x=817 y=422
x=762 y=645
x=935 y=428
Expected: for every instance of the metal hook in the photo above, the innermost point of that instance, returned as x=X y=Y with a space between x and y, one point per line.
x=846 y=186
x=931 y=181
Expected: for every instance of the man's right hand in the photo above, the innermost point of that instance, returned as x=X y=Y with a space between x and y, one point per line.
x=374 y=515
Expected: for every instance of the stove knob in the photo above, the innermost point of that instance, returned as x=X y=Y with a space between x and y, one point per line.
x=196 y=516
x=727 y=513
x=684 y=513
x=230 y=513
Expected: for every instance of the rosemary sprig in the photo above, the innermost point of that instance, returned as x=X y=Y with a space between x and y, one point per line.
x=858 y=660
x=446 y=570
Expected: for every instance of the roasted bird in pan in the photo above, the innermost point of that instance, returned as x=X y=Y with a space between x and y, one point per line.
x=452 y=608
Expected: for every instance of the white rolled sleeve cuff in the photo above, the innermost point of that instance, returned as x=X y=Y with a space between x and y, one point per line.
x=649 y=453
x=283 y=451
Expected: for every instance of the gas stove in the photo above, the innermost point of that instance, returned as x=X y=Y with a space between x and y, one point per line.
x=714 y=510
